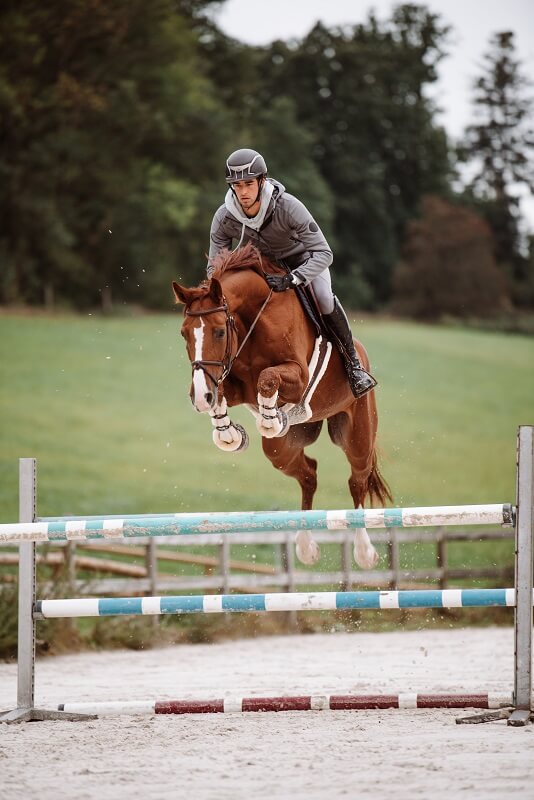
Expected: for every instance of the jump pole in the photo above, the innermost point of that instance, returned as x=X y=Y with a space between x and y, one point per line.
x=76 y=529
x=274 y=601
x=314 y=702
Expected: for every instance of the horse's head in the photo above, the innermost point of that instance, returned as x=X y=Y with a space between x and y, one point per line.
x=208 y=330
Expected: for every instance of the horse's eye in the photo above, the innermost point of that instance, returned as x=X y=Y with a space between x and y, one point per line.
x=218 y=333
x=182 y=333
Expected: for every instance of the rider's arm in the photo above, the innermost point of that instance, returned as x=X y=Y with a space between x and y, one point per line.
x=319 y=255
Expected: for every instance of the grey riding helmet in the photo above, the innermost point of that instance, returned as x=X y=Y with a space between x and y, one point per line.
x=244 y=164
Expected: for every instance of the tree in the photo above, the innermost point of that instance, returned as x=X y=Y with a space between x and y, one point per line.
x=499 y=148
x=102 y=169
x=116 y=117
x=359 y=93
x=448 y=266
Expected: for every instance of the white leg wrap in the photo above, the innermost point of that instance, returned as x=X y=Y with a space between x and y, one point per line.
x=271 y=421
x=227 y=435
x=365 y=554
x=307 y=550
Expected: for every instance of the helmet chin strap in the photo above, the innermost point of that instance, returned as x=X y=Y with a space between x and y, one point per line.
x=260 y=187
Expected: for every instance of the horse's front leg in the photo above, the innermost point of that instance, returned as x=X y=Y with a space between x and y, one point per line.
x=227 y=435
x=285 y=381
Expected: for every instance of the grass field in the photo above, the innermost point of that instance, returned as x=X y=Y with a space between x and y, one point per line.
x=103 y=404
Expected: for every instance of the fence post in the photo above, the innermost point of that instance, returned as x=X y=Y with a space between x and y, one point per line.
x=346 y=560
x=69 y=555
x=524 y=575
x=225 y=564
x=151 y=566
x=393 y=557
x=441 y=556
x=288 y=565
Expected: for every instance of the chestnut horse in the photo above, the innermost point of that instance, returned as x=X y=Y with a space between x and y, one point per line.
x=250 y=346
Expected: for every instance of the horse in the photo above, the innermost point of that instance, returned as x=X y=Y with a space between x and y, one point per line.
x=249 y=346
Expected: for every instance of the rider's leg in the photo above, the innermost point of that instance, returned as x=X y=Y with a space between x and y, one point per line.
x=336 y=320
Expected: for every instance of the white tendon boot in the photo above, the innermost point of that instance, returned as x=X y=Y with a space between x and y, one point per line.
x=271 y=421
x=227 y=435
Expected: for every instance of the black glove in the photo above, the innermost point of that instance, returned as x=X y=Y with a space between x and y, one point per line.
x=279 y=283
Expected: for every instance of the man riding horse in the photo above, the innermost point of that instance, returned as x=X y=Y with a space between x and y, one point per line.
x=257 y=209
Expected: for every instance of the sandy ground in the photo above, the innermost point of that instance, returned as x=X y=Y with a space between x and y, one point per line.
x=312 y=755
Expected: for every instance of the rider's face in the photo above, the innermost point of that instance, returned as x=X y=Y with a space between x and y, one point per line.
x=247 y=194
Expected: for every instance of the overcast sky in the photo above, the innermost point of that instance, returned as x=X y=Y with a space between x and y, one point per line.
x=473 y=22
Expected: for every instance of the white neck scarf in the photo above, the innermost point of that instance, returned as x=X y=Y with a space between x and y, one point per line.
x=232 y=204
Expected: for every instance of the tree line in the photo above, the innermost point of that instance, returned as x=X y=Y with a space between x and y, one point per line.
x=116 y=117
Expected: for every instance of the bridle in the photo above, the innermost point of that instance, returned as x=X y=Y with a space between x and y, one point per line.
x=228 y=359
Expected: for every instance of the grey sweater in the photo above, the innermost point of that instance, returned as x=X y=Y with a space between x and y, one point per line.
x=289 y=233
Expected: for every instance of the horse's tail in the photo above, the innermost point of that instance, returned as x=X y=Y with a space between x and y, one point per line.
x=377 y=486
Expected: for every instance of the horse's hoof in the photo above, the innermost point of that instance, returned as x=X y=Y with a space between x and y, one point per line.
x=308 y=551
x=284 y=421
x=239 y=441
x=279 y=425
x=366 y=557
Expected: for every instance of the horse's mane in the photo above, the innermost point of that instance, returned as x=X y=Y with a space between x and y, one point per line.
x=243 y=258
x=246 y=257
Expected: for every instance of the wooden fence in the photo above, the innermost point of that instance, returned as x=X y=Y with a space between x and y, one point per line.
x=221 y=572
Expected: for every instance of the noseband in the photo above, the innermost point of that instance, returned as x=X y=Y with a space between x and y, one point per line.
x=228 y=360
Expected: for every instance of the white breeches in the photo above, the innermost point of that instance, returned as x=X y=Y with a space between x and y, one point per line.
x=322 y=289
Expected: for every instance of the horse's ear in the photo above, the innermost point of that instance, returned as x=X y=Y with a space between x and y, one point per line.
x=181 y=294
x=216 y=292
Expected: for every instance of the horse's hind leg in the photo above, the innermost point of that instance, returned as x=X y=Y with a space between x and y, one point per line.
x=287 y=454
x=354 y=431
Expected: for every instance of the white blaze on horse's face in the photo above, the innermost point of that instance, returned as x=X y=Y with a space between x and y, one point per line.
x=201 y=394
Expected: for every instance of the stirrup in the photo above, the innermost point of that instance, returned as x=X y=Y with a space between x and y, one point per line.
x=362 y=383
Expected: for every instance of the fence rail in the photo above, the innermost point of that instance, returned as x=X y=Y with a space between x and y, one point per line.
x=221 y=572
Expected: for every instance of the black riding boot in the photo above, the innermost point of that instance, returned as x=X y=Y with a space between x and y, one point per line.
x=360 y=381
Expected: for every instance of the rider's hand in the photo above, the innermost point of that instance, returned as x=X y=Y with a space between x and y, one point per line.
x=279 y=283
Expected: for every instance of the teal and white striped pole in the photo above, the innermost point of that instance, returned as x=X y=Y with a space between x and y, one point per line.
x=276 y=601
x=255 y=522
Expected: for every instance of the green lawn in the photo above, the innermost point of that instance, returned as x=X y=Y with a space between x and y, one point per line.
x=103 y=404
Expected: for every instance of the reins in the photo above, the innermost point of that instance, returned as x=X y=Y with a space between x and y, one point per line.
x=258 y=315
x=228 y=360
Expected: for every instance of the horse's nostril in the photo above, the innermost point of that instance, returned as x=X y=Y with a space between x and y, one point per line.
x=208 y=397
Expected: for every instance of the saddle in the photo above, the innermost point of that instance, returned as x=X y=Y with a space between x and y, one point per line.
x=309 y=304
